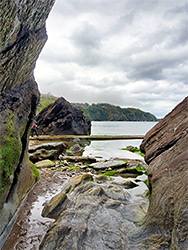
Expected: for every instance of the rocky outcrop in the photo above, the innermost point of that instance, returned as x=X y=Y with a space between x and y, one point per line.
x=93 y=213
x=61 y=118
x=23 y=35
x=166 y=149
x=50 y=150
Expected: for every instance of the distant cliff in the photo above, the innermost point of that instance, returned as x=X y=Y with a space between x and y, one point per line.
x=108 y=112
x=102 y=111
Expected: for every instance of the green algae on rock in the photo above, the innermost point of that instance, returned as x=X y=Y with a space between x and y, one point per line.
x=45 y=164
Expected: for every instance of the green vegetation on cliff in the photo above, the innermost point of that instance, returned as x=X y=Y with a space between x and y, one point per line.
x=10 y=151
x=103 y=111
x=108 y=112
x=45 y=100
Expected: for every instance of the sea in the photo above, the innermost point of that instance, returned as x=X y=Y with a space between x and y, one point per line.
x=114 y=148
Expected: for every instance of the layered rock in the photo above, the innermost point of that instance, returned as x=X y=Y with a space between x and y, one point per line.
x=93 y=213
x=23 y=35
x=166 y=148
x=61 y=118
x=44 y=151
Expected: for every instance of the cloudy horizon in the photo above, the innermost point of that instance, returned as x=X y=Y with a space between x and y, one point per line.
x=129 y=53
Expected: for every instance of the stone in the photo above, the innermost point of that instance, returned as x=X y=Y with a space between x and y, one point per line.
x=108 y=164
x=166 y=150
x=44 y=151
x=23 y=36
x=83 y=159
x=75 y=150
x=74 y=182
x=54 y=207
x=45 y=164
x=61 y=118
x=95 y=216
x=127 y=184
x=43 y=154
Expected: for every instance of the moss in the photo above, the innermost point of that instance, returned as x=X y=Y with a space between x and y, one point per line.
x=148 y=192
x=134 y=150
x=73 y=168
x=35 y=172
x=86 y=164
x=111 y=173
x=10 y=152
x=138 y=170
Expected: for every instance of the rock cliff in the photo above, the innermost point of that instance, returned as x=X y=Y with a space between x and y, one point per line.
x=166 y=149
x=23 y=35
x=61 y=118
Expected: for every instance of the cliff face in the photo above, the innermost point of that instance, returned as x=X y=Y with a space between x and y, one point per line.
x=61 y=118
x=166 y=148
x=23 y=35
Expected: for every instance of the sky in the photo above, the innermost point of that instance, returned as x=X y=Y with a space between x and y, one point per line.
x=130 y=53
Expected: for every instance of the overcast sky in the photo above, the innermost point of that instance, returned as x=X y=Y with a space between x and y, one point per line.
x=131 y=53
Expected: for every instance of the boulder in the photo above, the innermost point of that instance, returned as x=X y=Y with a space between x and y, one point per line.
x=23 y=36
x=55 y=206
x=50 y=151
x=166 y=150
x=61 y=118
x=45 y=164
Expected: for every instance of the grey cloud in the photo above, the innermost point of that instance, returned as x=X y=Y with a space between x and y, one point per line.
x=152 y=65
x=86 y=36
x=123 y=42
x=180 y=34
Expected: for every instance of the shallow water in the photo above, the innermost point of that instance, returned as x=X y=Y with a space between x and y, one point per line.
x=30 y=227
x=111 y=149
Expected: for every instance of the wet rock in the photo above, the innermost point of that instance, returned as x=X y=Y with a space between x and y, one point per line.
x=83 y=159
x=127 y=184
x=23 y=35
x=61 y=118
x=45 y=164
x=55 y=206
x=44 y=151
x=75 y=150
x=166 y=151
x=108 y=164
x=43 y=154
x=102 y=178
x=74 y=182
x=96 y=216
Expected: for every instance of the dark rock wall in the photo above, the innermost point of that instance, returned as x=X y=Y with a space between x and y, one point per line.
x=61 y=118
x=23 y=36
x=166 y=148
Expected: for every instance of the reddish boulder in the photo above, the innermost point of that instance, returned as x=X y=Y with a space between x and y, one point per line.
x=166 y=151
